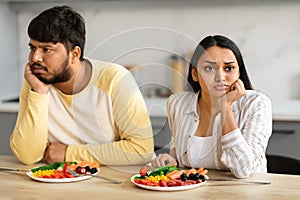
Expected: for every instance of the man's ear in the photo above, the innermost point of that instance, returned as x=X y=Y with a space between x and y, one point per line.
x=195 y=75
x=75 y=54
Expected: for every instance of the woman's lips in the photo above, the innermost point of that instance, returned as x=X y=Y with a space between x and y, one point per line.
x=221 y=87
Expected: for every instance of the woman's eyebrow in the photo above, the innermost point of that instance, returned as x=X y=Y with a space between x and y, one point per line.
x=229 y=62
x=210 y=62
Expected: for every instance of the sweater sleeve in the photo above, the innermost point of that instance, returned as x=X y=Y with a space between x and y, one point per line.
x=135 y=144
x=29 y=138
x=243 y=149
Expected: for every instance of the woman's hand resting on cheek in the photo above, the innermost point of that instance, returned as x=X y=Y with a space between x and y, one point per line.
x=163 y=160
x=237 y=90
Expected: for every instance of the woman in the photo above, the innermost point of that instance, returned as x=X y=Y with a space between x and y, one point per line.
x=224 y=124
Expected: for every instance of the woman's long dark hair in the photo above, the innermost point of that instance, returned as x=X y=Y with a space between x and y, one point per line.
x=223 y=42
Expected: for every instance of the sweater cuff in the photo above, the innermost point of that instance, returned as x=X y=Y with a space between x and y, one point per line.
x=232 y=138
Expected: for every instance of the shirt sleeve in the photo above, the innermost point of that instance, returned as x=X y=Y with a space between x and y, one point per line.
x=29 y=138
x=135 y=144
x=243 y=149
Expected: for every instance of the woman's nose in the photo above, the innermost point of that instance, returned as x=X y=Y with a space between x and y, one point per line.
x=219 y=76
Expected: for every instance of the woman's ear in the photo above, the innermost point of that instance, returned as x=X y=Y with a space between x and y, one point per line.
x=195 y=75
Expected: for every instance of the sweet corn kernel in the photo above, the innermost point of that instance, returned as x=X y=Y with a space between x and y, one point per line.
x=156 y=179
x=41 y=173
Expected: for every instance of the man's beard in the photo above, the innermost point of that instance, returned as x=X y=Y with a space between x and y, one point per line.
x=63 y=75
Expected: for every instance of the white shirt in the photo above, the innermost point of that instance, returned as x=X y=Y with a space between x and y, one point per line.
x=241 y=151
x=201 y=152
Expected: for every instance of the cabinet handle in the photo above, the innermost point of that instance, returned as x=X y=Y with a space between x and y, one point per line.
x=282 y=131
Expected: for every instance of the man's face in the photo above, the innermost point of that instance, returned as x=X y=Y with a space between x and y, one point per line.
x=49 y=62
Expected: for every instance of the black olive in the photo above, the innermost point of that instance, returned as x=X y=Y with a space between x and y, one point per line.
x=197 y=176
x=87 y=168
x=192 y=176
x=183 y=177
x=94 y=170
x=201 y=177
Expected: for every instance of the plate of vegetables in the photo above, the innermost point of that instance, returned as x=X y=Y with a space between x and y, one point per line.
x=170 y=178
x=57 y=172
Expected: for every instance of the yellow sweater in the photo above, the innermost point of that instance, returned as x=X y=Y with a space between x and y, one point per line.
x=107 y=121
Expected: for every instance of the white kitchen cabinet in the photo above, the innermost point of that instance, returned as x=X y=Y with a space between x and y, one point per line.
x=7 y=124
x=285 y=139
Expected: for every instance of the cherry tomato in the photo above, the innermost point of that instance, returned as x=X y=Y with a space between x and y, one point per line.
x=143 y=171
x=163 y=183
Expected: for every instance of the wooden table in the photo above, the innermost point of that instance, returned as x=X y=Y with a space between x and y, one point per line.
x=17 y=185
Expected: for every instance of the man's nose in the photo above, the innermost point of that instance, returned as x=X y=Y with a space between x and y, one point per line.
x=37 y=56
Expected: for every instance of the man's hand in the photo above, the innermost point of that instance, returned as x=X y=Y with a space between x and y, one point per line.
x=36 y=85
x=55 y=152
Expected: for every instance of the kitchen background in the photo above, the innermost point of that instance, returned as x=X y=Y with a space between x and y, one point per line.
x=155 y=38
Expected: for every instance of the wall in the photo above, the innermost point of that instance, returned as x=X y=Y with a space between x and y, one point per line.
x=146 y=33
x=9 y=83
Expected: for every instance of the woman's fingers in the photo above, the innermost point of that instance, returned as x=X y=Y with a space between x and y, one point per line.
x=163 y=160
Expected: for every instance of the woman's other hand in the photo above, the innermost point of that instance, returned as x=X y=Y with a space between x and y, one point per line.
x=163 y=160
x=237 y=90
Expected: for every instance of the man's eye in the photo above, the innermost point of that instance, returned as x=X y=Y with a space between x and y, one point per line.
x=46 y=50
x=32 y=48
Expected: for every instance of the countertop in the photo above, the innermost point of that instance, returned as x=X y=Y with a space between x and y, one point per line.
x=283 y=110
x=17 y=185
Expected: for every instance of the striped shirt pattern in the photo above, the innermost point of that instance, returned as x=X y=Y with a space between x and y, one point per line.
x=242 y=151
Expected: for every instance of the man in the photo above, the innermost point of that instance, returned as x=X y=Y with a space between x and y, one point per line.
x=74 y=108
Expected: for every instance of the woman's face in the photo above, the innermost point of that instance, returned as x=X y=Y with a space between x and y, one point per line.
x=217 y=70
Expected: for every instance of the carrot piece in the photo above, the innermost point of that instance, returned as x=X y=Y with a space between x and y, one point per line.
x=200 y=170
x=204 y=172
x=174 y=174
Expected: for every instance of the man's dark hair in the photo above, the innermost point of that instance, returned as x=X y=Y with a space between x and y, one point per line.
x=59 y=24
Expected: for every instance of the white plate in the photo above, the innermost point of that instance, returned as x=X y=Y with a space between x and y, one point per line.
x=59 y=180
x=173 y=188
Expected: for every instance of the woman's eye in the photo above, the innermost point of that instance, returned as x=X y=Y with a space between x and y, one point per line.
x=209 y=68
x=229 y=68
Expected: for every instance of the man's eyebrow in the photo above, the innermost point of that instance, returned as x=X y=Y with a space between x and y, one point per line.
x=40 y=46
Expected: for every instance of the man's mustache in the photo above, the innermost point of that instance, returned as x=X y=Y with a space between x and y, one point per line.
x=37 y=65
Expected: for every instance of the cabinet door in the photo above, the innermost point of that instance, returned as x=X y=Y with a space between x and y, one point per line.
x=7 y=124
x=162 y=134
x=285 y=139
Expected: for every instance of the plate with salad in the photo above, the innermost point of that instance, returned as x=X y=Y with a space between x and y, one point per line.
x=170 y=178
x=57 y=172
